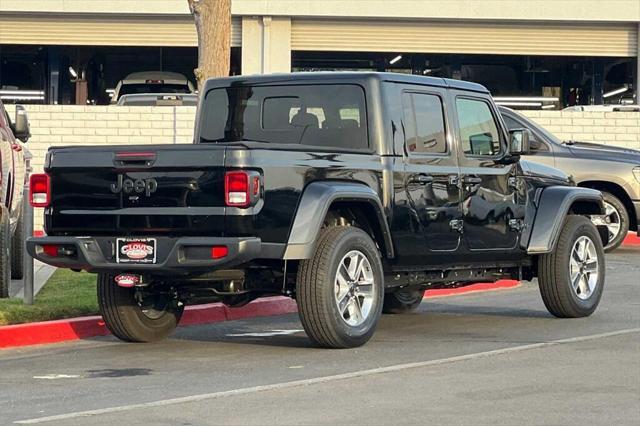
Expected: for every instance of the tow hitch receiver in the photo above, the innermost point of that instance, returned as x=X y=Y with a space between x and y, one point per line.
x=128 y=280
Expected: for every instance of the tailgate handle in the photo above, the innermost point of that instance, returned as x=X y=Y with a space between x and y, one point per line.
x=134 y=158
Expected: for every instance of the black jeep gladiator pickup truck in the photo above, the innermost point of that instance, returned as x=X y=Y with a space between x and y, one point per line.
x=351 y=192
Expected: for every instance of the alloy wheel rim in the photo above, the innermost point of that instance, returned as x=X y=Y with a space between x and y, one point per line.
x=354 y=288
x=611 y=219
x=584 y=267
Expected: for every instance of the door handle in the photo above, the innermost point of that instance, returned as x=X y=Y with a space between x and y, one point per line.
x=472 y=180
x=422 y=179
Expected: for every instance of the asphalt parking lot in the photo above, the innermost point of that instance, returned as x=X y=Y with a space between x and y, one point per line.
x=485 y=358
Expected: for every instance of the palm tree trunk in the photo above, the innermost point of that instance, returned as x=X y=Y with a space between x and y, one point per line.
x=213 y=25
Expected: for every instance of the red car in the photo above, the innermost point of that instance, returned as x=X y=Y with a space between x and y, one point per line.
x=13 y=176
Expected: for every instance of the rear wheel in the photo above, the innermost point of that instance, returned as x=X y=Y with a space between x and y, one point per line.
x=5 y=257
x=17 y=252
x=615 y=218
x=339 y=291
x=571 y=278
x=402 y=301
x=146 y=317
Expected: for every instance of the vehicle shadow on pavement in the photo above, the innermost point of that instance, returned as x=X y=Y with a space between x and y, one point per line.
x=429 y=320
x=283 y=331
x=498 y=311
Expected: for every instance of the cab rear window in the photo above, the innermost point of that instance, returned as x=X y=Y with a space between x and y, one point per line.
x=329 y=116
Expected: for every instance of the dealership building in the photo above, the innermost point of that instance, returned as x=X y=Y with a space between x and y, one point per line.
x=530 y=53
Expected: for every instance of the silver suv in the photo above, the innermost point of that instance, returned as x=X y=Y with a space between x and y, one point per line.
x=613 y=170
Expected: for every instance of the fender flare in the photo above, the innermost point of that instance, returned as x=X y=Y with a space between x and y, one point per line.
x=553 y=207
x=312 y=210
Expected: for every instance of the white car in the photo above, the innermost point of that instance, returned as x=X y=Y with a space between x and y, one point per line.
x=159 y=99
x=604 y=108
x=152 y=82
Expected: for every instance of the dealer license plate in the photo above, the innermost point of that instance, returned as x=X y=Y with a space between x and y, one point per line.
x=136 y=250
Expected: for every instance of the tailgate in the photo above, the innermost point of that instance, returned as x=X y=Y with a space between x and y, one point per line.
x=136 y=190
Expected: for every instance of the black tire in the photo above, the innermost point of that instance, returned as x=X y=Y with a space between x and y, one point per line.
x=623 y=216
x=5 y=254
x=17 y=252
x=125 y=318
x=402 y=300
x=316 y=290
x=554 y=277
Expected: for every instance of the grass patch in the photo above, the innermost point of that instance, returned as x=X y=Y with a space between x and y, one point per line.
x=67 y=294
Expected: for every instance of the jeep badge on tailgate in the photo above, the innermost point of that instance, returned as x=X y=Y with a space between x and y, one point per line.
x=148 y=186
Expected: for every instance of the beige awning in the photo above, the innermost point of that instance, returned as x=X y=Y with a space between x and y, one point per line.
x=104 y=30
x=482 y=37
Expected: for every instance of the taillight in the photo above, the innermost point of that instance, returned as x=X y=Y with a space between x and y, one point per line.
x=241 y=188
x=40 y=190
x=236 y=189
x=56 y=250
x=218 y=252
x=50 y=250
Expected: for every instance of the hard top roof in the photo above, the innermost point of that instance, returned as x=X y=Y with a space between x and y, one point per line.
x=356 y=76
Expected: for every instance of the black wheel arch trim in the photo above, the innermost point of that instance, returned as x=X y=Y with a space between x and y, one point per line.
x=314 y=205
x=554 y=205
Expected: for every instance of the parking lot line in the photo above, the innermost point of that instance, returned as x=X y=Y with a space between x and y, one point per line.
x=325 y=379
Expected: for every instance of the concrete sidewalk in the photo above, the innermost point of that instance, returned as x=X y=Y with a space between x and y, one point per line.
x=41 y=273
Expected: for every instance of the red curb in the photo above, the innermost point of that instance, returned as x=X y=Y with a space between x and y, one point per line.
x=39 y=333
x=51 y=331
x=498 y=285
x=632 y=239
x=65 y=330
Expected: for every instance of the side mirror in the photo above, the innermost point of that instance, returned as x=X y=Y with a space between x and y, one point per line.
x=21 y=124
x=519 y=143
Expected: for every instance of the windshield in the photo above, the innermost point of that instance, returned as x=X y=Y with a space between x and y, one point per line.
x=128 y=89
x=316 y=115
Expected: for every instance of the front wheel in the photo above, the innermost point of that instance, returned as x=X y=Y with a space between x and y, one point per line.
x=571 y=278
x=146 y=317
x=339 y=290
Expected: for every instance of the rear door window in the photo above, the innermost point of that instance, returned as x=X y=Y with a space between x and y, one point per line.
x=424 y=123
x=329 y=116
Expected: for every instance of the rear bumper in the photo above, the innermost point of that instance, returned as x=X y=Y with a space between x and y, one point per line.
x=175 y=256
x=636 y=206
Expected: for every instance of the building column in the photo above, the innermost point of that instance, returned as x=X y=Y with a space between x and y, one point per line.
x=53 y=77
x=597 y=82
x=266 y=44
x=637 y=82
